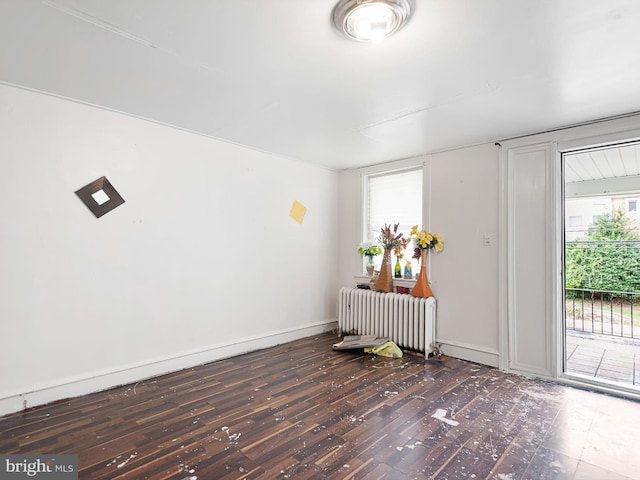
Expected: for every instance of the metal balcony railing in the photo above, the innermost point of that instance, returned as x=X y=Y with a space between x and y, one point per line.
x=603 y=312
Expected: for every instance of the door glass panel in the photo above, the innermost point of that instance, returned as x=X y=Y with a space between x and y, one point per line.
x=602 y=261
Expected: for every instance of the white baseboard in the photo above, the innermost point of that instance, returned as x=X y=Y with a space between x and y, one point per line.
x=98 y=381
x=472 y=353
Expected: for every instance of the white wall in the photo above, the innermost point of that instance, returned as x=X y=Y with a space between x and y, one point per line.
x=154 y=285
x=464 y=191
x=462 y=197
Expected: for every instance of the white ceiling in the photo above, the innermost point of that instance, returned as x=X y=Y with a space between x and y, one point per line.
x=274 y=75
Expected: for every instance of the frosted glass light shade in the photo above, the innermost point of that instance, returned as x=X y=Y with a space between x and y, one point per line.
x=371 y=20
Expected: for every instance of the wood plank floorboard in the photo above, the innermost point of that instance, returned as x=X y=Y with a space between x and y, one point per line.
x=303 y=411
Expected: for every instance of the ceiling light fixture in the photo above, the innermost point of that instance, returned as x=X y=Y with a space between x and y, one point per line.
x=371 y=20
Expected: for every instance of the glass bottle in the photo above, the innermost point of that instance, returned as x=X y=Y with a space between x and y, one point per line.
x=407 y=270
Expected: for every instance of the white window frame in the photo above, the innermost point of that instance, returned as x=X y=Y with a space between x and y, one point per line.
x=398 y=167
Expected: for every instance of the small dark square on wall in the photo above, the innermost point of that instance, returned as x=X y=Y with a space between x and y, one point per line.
x=100 y=196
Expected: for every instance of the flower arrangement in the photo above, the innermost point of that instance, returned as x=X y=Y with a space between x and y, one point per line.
x=369 y=249
x=392 y=240
x=424 y=240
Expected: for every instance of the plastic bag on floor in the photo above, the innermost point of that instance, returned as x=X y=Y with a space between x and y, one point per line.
x=387 y=349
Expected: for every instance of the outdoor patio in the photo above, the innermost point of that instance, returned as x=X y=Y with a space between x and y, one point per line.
x=603 y=357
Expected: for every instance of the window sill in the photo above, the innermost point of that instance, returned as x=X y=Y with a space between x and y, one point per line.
x=397 y=282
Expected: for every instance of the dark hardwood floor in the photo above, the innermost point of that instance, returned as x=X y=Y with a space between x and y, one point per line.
x=301 y=410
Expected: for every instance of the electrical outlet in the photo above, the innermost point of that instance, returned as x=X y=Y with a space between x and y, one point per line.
x=487 y=241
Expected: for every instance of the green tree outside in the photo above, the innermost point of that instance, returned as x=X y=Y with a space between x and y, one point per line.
x=608 y=258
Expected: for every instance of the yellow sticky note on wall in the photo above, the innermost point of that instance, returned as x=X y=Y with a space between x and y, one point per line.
x=297 y=211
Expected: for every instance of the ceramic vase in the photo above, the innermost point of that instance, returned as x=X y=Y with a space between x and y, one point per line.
x=422 y=288
x=385 y=279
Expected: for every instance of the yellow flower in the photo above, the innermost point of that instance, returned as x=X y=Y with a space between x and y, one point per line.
x=424 y=240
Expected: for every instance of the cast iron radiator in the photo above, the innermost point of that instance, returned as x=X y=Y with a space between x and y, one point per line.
x=408 y=321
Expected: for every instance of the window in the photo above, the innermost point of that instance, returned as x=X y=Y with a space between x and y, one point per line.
x=392 y=197
x=575 y=220
x=632 y=205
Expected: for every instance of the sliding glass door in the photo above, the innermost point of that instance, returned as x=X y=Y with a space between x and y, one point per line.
x=601 y=214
